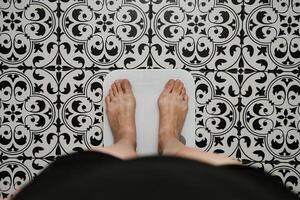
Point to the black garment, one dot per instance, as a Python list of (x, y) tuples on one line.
[(91, 175)]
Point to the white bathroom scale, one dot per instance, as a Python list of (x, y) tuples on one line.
[(147, 86)]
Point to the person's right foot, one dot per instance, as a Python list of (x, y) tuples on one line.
[(173, 106)]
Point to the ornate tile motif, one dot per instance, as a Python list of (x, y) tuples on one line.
[(244, 57)]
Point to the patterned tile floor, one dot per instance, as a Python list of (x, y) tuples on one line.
[(244, 56)]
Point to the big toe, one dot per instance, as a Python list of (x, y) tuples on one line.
[(169, 85), (126, 86)]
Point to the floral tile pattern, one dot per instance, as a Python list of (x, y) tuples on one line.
[(244, 57)]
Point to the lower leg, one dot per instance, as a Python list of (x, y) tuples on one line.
[(122, 149), (172, 146)]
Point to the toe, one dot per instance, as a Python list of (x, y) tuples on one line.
[(118, 85), (169, 85), (181, 87), (111, 94), (114, 89), (126, 86), (177, 86), (185, 98), (182, 92), (107, 99)]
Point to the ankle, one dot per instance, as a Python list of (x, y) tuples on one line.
[(127, 141), (169, 144), (166, 132)]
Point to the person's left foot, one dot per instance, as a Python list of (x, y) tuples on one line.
[(120, 108)]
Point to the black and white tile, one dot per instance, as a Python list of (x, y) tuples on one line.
[(244, 56)]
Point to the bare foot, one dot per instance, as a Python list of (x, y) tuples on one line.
[(120, 104), (173, 106)]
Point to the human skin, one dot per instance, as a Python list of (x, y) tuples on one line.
[(173, 106)]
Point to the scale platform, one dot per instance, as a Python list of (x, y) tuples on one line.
[(147, 86)]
